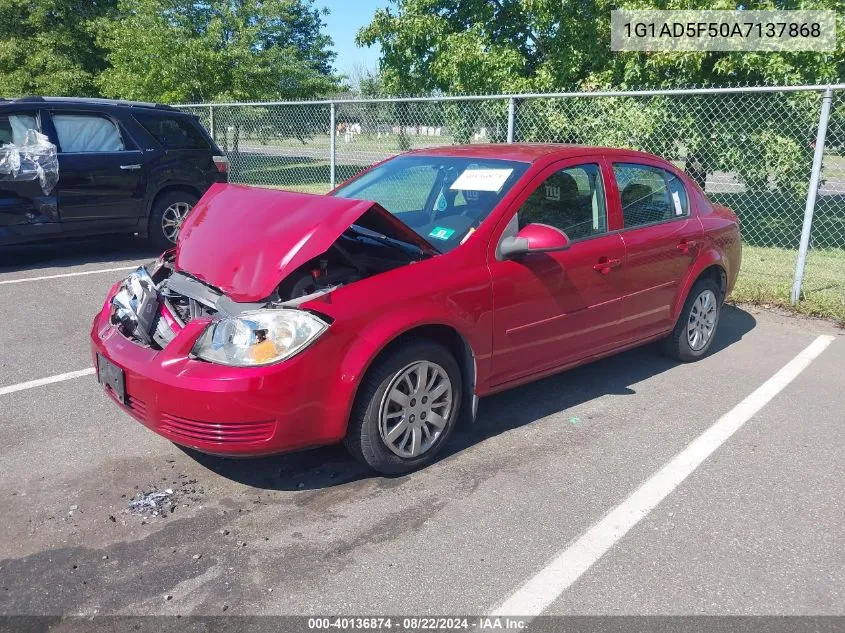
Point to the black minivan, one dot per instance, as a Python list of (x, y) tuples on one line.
[(123, 167)]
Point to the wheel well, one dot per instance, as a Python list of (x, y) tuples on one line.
[(460, 349), (717, 274), (170, 189)]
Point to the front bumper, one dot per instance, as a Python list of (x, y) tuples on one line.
[(223, 410)]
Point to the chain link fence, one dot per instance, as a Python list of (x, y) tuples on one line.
[(752, 149)]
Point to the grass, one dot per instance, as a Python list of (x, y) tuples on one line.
[(766, 279), (360, 142)]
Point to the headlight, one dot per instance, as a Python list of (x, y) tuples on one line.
[(259, 337)]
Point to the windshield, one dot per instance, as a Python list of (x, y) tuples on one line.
[(442, 198)]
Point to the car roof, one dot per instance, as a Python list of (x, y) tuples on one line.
[(525, 152), (77, 101)]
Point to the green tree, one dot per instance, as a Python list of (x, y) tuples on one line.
[(483, 46), (182, 50), (495, 46), (48, 47)]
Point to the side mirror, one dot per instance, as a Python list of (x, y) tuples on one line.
[(534, 238)]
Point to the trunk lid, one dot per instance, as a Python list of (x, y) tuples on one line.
[(246, 240)]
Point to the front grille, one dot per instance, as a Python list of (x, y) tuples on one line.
[(218, 432)]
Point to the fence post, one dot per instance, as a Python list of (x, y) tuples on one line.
[(331, 144), (809, 209), (211, 123), (511, 118)]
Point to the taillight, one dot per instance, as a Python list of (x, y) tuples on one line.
[(222, 164)]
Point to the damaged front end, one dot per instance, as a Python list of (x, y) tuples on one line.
[(246, 262), (152, 306)]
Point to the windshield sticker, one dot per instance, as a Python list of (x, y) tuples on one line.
[(440, 233), (474, 179)]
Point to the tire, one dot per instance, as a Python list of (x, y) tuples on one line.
[(169, 203), (702, 308), (364, 436)]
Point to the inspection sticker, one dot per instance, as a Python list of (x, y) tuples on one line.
[(474, 179), (676, 198), (440, 233)]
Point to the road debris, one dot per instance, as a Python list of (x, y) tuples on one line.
[(155, 502)]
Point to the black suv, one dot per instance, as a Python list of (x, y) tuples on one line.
[(123, 167)]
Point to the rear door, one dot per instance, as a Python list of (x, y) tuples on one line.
[(101, 174), (187, 151), (661, 242), (25, 210)]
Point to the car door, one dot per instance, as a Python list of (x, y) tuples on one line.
[(101, 175), (661, 242), (551, 309), (26, 211)]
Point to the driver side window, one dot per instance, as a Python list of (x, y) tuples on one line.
[(571, 200)]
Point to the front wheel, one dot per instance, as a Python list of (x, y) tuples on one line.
[(406, 408), (168, 213), (697, 324)]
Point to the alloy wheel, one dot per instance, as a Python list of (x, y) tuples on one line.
[(172, 218), (702, 320), (415, 409)]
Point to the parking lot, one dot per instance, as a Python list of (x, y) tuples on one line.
[(537, 507)]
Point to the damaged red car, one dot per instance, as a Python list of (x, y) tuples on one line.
[(378, 314)]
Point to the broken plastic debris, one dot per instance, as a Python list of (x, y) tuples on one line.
[(34, 159), (157, 502)]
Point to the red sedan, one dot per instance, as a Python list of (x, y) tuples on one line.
[(379, 314)]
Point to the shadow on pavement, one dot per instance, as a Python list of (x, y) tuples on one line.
[(330, 466), (65, 253)]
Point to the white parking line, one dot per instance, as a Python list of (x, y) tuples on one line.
[(84, 272), (539, 592), (40, 382)]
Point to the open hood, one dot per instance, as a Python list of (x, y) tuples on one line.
[(246, 240)]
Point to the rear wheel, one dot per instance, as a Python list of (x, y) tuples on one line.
[(406, 408), (168, 213), (696, 327)]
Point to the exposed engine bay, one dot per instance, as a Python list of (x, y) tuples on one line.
[(154, 303)]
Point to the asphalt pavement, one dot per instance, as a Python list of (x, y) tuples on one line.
[(755, 529)]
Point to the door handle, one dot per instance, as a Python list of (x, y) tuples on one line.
[(130, 167), (605, 265), (686, 245)]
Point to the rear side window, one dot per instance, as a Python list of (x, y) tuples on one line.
[(87, 133), (649, 194), (14, 126), (173, 132)]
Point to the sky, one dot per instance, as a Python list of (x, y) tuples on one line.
[(346, 17)]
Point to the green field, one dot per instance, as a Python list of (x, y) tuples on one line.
[(766, 278)]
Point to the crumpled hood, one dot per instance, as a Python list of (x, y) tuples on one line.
[(246, 240)]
